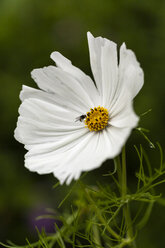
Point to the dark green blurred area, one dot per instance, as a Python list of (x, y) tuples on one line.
[(29, 31)]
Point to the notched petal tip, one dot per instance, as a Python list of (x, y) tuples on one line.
[(17, 135), (34, 72), (59, 59), (54, 54), (24, 87), (89, 35), (123, 47)]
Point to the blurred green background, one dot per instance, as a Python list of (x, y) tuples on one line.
[(29, 31)]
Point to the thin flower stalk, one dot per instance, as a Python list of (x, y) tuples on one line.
[(126, 209)]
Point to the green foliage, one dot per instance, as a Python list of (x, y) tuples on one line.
[(29, 31), (103, 215)]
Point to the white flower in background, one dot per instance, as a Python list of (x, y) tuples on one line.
[(73, 124)]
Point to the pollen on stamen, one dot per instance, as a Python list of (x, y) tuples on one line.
[(97, 119)]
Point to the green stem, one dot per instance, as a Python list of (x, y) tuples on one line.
[(123, 194), (124, 175), (96, 236), (101, 218), (119, 173)]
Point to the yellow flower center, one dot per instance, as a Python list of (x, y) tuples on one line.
[(97, 119)]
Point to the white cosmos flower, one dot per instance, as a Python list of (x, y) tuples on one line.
[(53, 122)]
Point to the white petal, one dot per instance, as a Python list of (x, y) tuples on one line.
[(54, 153), (73, 157), (102, 145), (122, 113), (68, 161), (85, 81), (95, 45), (64, 87), (86, 156), (83, 157), (66, 109), (103, 59), (40, 122), (109, 72), (28, 92), (126, 118), (118, 137), (130, 72)]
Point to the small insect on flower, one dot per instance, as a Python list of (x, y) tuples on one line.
[(47, 127), (80, 118)]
